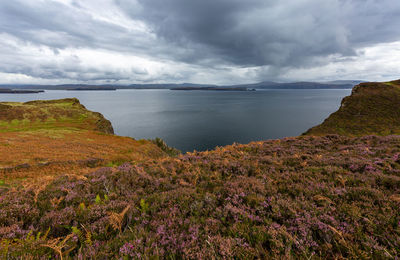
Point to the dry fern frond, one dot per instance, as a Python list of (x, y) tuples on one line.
[(77, 177), (56, 201), (342, 180), (39, 186), (88, 236), (340, 234), (395, 197), (58, 245), (322, 198), (116, 219)]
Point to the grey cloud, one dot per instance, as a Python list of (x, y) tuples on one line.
[(268, 32), (69, 68), (59, 26)]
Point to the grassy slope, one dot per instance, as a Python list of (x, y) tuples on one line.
[(326, 197), (46, 138), (372, 108), (65, 114)]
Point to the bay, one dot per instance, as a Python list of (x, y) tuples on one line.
[(202, 120)]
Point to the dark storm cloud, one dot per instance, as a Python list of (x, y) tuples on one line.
[(207, 36), (269, 32)]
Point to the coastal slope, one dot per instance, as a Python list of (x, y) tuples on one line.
[(42, 138), (372, 108), (51, 114)]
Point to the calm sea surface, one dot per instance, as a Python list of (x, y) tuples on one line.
[(201, 120)]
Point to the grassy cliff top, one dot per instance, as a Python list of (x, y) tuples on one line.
[(46, 138), (66, 114), (372, 108)]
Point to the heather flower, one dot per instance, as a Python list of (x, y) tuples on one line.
[(396, 157), (369, 168), (131, 249), (12, 232), (126, 167)]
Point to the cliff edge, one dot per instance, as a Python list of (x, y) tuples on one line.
[(371, 109), (51, 114), (44, 137)]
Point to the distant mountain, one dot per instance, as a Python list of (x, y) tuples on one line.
[(212, 89), (18, 91), (339, 84), (103, 86), (353, 82), (297, 85), (64, 87), (165, 86)]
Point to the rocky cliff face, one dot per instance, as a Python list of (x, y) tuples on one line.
[(51, 114), (372, 108)]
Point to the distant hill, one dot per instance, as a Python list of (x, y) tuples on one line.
[(347, 84), (104, 86), (372, 108), (18, 91), (92, 88), (212, 89), (165, 86), (297, 85), (59, 87), (352, 82)]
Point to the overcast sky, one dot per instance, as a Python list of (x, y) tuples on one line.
[(202, 41)]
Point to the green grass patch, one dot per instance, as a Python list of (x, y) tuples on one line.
[(32, 115)]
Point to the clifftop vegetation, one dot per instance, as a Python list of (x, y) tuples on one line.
[(51, 115), (47, 138), (372, 108)]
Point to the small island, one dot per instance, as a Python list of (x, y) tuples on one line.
[(92, 88), (19, 91), (213, 88)]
